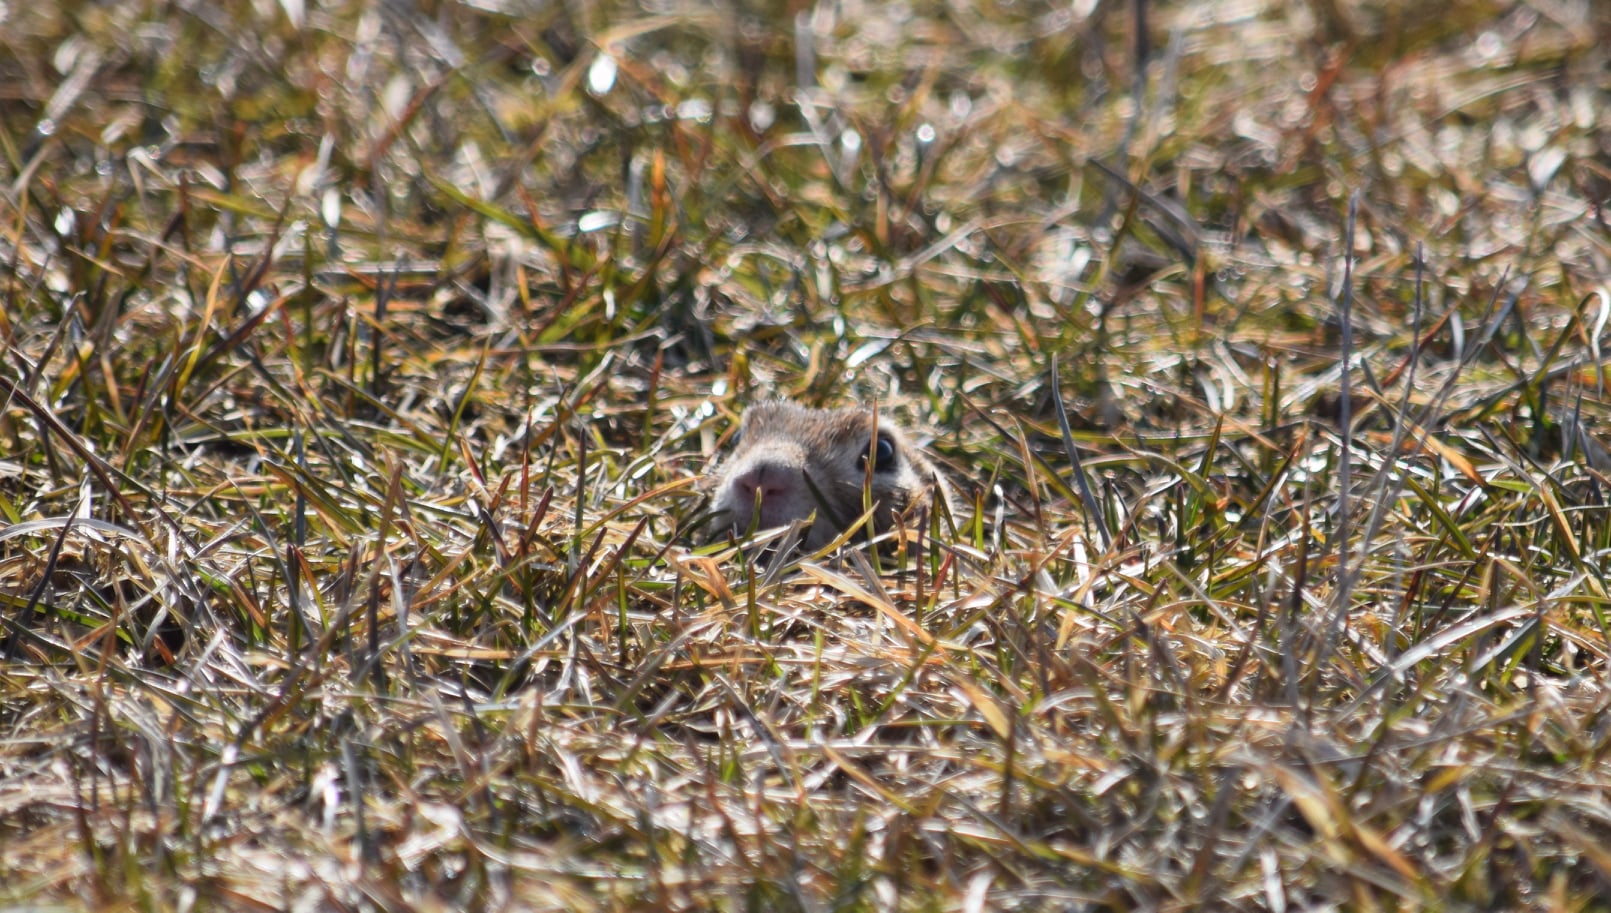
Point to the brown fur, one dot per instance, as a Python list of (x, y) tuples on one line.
[(781, 445)]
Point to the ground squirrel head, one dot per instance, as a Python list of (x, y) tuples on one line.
[(789, 462)]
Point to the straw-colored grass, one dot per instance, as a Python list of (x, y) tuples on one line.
[(361, 360)]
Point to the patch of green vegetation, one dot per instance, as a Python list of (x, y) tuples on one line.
[(361, 362)]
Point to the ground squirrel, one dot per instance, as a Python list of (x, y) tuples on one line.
[(789, 462)]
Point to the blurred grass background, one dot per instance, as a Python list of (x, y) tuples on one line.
[(360, 362)]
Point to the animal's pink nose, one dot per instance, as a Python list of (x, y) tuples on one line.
[(770, 480)]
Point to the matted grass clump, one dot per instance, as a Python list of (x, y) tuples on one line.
[(360, 363)]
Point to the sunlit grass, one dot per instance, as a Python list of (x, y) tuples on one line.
[(361, 364)]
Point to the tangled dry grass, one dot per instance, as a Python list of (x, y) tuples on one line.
[(361, 360)]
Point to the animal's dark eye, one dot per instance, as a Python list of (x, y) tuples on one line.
[(883, 451)]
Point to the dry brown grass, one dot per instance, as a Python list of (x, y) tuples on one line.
[(358, 363)]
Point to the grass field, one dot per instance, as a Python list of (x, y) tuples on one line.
[(361, 362)]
